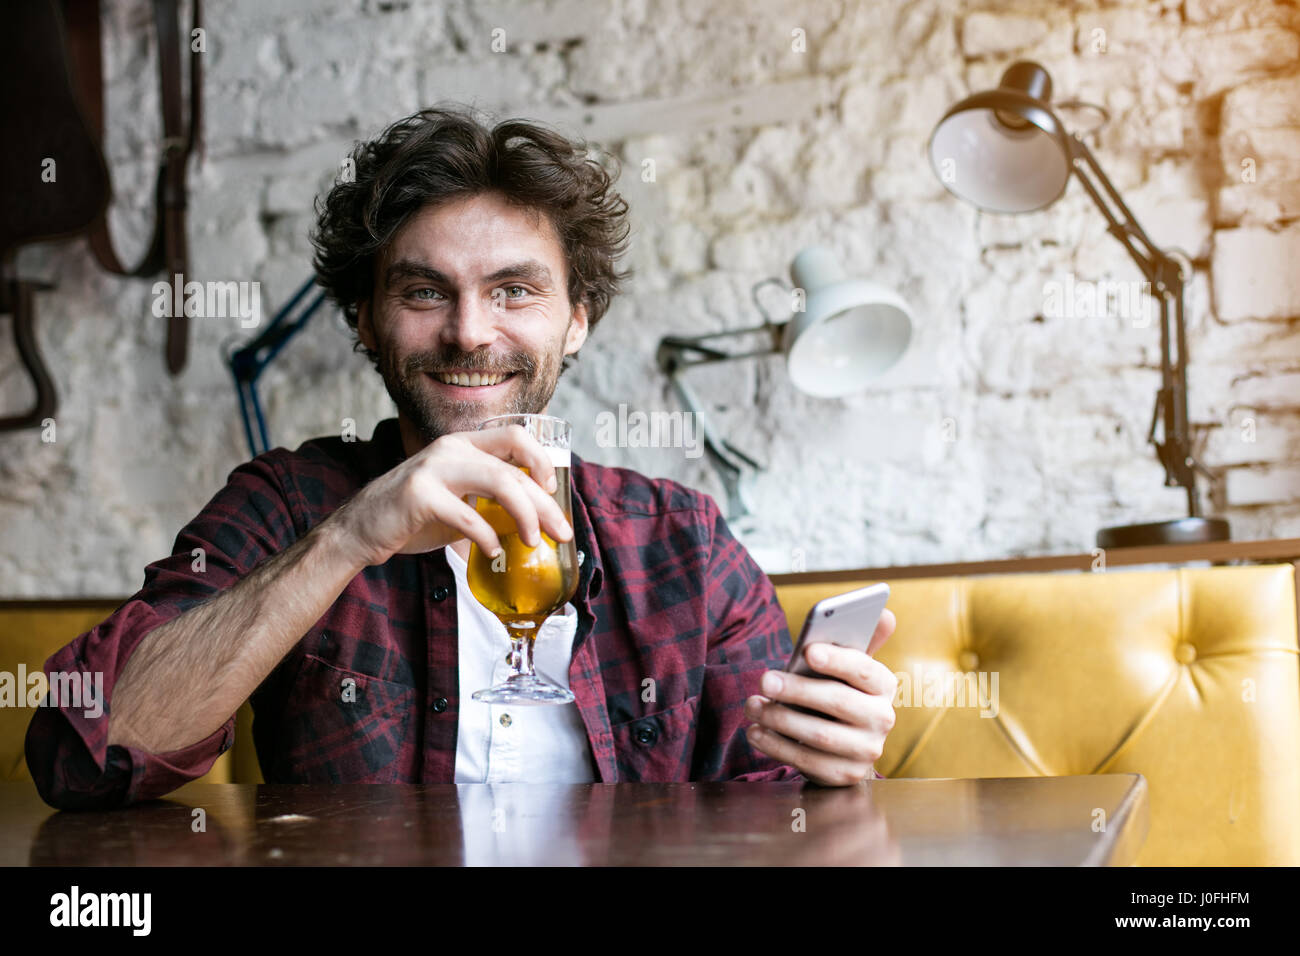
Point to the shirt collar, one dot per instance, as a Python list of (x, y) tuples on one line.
[(387, 452)]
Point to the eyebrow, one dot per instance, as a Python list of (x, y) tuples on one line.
[(528, 269)]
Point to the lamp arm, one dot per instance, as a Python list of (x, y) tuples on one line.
[(247, 362), (1158, 268), (1168, 286), (727, 460), (677, 352)]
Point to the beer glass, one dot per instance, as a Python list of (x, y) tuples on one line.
[(523, 586)]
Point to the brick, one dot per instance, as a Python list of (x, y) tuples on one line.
[(1262, 103), (1255, 273), (1124, 31), (1169, 208), (1223, 60), (1244, 344), (1248, 437), (986, 33), (543, 21), (1262, 486), (1268, 154), (1266, 390), (1258, 203), (917, 36), (1238, 14)]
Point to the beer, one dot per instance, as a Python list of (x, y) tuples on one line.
[(523, 586)]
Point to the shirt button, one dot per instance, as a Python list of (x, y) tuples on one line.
[(440, 704), (505, 720), (646, 734), (440, 593)]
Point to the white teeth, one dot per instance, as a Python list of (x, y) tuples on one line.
[(471, 381)]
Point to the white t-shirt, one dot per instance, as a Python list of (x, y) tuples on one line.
[(513, 743)]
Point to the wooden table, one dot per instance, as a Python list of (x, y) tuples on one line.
[(913, 822)]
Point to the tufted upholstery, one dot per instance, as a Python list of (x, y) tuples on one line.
[(1189, 677), (30, 631)]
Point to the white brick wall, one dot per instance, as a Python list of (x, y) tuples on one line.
[(759, 150), (1255, 272)]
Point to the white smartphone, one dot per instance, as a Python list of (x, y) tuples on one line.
[(848, 620)]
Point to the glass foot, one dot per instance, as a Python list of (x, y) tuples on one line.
[(524, 690)]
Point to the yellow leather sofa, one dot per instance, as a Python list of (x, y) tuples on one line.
[(30, 631), (1188, 676)]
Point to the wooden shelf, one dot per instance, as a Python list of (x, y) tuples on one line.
[(1282, 550)]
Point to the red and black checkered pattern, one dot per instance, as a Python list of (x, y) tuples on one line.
[(676, 624)]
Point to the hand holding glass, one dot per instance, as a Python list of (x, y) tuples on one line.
[(523, 586)]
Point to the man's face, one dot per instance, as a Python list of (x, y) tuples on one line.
[(471, 291)]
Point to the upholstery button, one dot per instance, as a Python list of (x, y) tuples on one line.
[(440, 704), (968, 661), (1185, 653), (440, 593), (505, 720), (646, 734)]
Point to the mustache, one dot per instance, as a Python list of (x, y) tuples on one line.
[(440, 360)]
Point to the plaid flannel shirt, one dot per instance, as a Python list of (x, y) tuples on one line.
[(666, 595)]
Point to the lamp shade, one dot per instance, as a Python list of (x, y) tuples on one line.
[(1004, 150), (850, 330)]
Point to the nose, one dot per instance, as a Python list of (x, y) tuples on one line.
[(471, 324)]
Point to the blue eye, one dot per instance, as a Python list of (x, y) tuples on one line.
[(417, 294)]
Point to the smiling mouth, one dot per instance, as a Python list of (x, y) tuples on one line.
[(471, 379)]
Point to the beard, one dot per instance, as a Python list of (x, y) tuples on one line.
[(408, 383)]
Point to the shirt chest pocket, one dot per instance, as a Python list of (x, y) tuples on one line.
[(657, 748), (345, 727)]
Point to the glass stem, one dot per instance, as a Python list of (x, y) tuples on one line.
[(521, 651)]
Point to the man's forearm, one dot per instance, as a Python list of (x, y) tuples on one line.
[(186, 677)]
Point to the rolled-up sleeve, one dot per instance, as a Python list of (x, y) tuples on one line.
[(67, 749)]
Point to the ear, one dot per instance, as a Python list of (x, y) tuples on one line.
[(365, 327), (576, 334)]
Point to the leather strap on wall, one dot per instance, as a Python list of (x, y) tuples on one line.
[(168, 249)]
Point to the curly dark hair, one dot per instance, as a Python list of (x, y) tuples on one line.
[(445, 153)]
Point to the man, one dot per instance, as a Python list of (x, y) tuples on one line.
[(328, 584)]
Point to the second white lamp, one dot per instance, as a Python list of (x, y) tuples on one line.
[(841, 333), (851, 330)]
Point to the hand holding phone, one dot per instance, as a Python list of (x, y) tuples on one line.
[(848, 620)]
